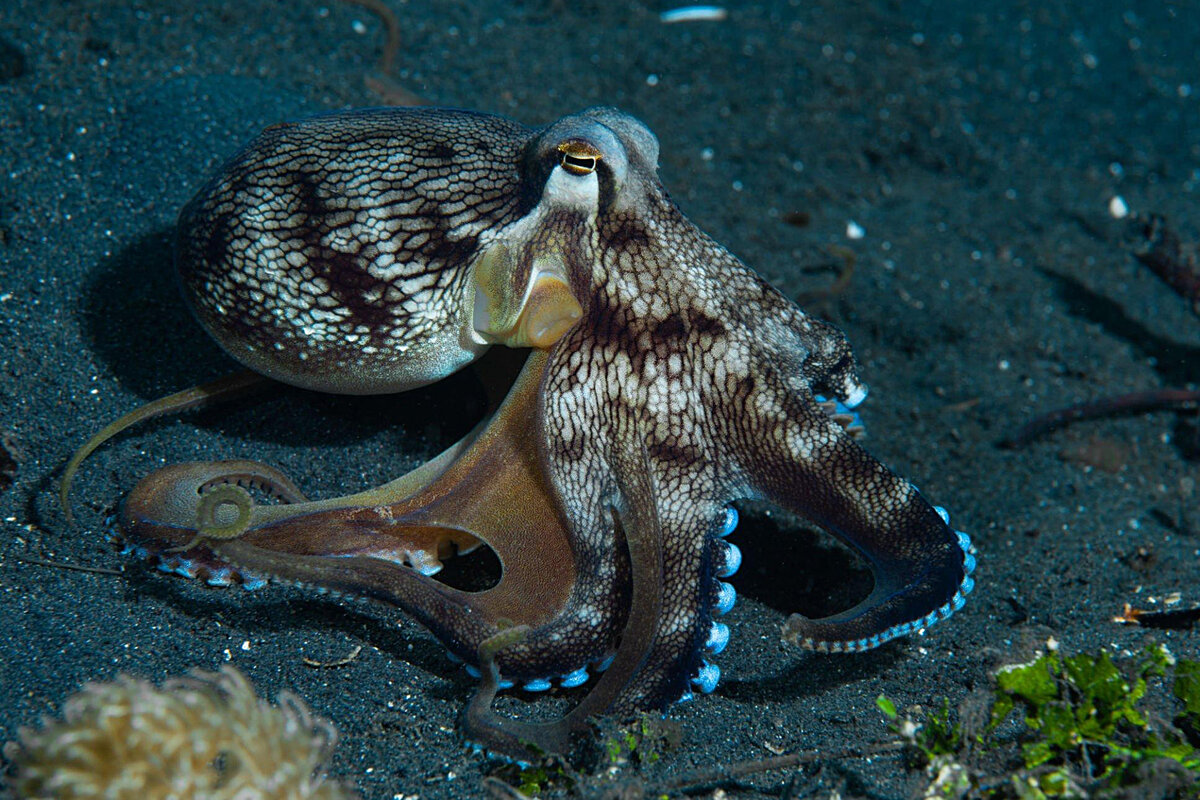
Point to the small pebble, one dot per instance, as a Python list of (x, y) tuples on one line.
[(694, 14)]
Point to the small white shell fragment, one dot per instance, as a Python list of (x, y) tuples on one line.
[(694, 14), (1118, 207), (854, 230)]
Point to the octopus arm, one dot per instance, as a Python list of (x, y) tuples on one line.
[(630, 510), (807, 463)]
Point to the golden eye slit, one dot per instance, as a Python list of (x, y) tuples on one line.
[(578, 157)]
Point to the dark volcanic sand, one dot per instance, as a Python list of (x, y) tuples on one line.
[(977, 145)]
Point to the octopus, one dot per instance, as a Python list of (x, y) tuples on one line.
[(383, 249)]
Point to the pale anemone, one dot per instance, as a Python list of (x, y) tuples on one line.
[(208, 735)]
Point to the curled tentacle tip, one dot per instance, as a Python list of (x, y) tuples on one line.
[(212, 513)]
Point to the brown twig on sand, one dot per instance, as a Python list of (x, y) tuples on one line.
[(1177, 264), (42, 562), (1133, 403), (383, 84)]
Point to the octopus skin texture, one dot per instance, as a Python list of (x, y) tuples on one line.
[(383, 249)]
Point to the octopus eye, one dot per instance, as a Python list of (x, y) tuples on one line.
[(578, 156)]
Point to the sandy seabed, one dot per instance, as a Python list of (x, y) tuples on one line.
[(967, 154)]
